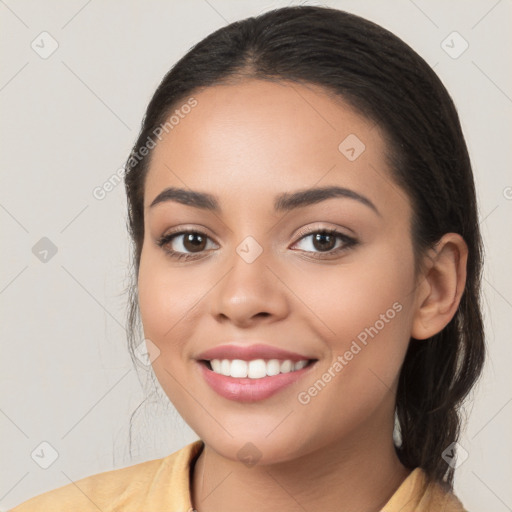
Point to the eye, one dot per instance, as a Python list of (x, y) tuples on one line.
[(327, 241), (185, 244), (191, 244)]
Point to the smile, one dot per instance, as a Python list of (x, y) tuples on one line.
[(254, 380), (256, 368)]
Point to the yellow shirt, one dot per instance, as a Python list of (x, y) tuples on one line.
[(164, 485)]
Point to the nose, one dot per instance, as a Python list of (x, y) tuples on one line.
[(250, 293)]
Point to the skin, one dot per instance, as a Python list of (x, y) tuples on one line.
[(245, 143)]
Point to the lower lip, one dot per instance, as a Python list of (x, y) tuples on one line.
[(251, 390)]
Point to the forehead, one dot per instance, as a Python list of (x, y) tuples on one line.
[(258, 138), (276, 117)]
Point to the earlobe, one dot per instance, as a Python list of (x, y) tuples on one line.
[(441, 287)]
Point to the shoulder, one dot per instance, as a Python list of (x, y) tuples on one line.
[(418, 494), (127, 487), (440, 499)]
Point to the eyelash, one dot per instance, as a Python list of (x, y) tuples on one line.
[(349, 242)]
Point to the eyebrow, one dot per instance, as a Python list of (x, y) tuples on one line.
[(283, 202)]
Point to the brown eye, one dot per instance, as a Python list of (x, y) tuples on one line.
[(324, 241), (194, 242), (184, 244)]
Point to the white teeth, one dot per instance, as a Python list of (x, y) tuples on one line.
[(238, 368), (225, 367), (286, 366), (255, 369), (300, 364), (216, 365), (273, 367)]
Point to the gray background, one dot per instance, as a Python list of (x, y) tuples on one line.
[(68, 123)]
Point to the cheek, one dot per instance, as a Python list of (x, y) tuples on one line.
[(368, 313), (166, 303), (366, 310), (155, 302), (166, 297), (346, 299)]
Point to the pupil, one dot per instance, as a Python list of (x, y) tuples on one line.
[(320, 237), (189, 239)]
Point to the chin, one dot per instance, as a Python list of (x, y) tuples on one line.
[(259, 448)]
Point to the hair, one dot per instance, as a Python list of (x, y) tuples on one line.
[(387, 82)]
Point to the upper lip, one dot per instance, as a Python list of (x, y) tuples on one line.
[(248, 353)]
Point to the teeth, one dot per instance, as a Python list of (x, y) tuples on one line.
[(225, 367), (255, 369), (238, 368), (299, 365), (216, 365), (287, 366)]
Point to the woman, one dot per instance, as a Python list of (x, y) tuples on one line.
[(307, 270)]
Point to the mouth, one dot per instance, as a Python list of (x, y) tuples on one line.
[(253, 380), (255, 368)]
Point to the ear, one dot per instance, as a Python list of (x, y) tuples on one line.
[(441, 285)]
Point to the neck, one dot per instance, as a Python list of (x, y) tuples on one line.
[(360, 473)]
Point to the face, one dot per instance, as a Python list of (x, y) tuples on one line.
[(328, 276)]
